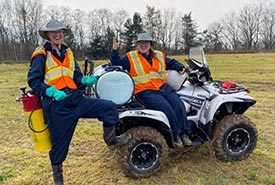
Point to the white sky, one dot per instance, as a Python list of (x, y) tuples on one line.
[(204, 12)]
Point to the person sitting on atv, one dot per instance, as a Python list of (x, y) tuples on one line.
[(147, 66)]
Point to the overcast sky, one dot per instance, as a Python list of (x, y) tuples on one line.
[(204, 12)]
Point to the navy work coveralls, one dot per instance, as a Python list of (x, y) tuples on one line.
[(165, 99), (63, 116)]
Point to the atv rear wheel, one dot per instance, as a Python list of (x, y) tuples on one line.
[(144, 154), (235, 137)]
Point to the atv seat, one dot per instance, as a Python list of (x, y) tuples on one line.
[(132, 104)]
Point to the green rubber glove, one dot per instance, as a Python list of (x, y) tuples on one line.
[(50, 91), (89, 80), (56, 94), (59, 95)]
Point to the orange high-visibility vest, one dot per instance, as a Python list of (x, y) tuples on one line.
[(58, 74), (146, 76)]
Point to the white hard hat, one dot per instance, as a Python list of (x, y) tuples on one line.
[(176, 79)]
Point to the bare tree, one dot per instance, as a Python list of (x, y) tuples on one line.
[(249, 25), (118, 20), (5, 31), (250, 28), (267, 30), (213, 37), (78, 28), (61, 13), (231, 30), (25, 16), (170, 23), (98, 21), (35, 19)]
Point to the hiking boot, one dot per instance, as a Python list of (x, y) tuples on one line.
[(186, 140), (119, 141), (178, 143)]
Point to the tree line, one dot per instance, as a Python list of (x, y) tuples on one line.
[(249, 29)]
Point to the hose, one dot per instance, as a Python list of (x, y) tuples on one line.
[(30, 121)]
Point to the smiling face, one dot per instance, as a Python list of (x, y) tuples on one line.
[(56, 37), (144, 47)]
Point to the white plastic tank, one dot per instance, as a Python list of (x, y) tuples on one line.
[(116, 86)]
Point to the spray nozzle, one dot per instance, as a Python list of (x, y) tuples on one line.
[(23, 89)]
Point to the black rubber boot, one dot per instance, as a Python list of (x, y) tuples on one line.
[(57, 174), (110, 138)]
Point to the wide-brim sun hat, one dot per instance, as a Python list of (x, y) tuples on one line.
[(52, 25), (144, 37)]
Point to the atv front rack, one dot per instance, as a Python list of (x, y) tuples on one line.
[(228, 87)]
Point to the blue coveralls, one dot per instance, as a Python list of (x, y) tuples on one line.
[(165, 99), (63, 116)]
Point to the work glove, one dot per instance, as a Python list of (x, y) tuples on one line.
[(89, 80), (56, 94)]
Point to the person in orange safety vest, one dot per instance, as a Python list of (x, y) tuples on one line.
[(147, 68), (55, 75)]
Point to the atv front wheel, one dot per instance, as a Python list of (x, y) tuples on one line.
[(144, 154), (235, 137)]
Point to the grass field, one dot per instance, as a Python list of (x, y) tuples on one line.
[(90, 162)]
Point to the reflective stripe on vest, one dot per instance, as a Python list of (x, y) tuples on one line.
[(56, 70), (59, 74), (40, 50), (144, 75)]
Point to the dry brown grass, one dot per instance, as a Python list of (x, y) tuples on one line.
[(90, 162)]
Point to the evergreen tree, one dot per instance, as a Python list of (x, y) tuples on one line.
[(189, 32), (132, 29), (108, 42), (152, 22), (95, 49), (101, 46)]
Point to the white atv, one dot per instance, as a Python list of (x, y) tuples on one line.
[(214, 109)]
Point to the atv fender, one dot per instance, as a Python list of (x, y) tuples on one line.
[(227, 99), (146, 113)]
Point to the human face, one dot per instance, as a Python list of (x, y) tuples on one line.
[(56, 37), (144, 47)]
